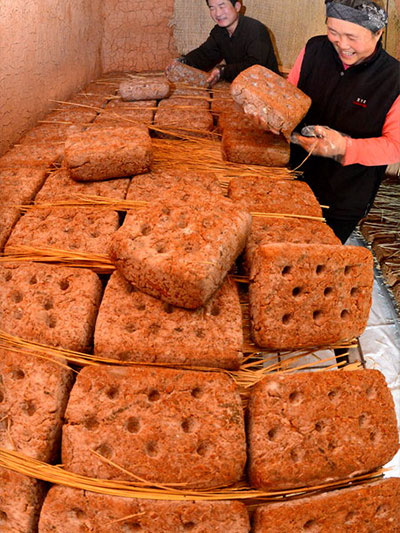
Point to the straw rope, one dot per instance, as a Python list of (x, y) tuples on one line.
[(98, 263), (205, 155), (33, 468), (247, 376)]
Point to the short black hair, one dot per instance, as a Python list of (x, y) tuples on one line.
[(233, 2)]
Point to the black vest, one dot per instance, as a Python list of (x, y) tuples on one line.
[(353, 101)]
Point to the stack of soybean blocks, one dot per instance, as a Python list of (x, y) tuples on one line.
[(36, 160), (171, 301), (247, 137), (186, 113)]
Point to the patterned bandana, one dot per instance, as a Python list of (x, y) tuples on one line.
[(361, 12)]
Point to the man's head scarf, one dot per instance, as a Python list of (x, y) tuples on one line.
[(362, 12)]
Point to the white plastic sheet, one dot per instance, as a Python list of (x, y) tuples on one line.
[(380, 343)]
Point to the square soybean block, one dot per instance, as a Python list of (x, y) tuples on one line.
[(308, 295), (371, 506), (163, 425), (21, 499), (33, 397), (98, 154), (66, 509), (274, 102), (311, 428), (180, 251), (49, 304), (134, 326), (270, 195)]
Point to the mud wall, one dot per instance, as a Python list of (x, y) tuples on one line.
[(138, 35), (48, 48)]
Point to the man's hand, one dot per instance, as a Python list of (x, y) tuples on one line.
[(214, 76), (322, 141)]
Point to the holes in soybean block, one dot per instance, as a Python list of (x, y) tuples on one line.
[(51, 321), (160, 248), (328, 291), (131, 526), (141, 307), (151, 448), (363, 420), (77, 513), (133, 424), (188, 526), (104, 450), (1, 396), (168, 308), (197, 392), (347, 270), (3, 517), (145, 229), (28, 407), (272, 433), (286, 270), (355, 291), (297, 291), (154, 328), (17, 374), (350, 517), (7, 276), (333, 395), (200, 333), (286, 318), (371, 393), (64, 284), (295, 397), (344, 315), (319, 426), (317, 316), (48, 304), (130, 328), (154, 396), (130, 288), (202, 449), (373, 436), (320, 269), (310, 524), (17, 297), (112, 392), (90, 423), (33, 280), (188, 425), (215, 310)]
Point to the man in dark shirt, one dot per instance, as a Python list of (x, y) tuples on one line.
[(240, 41)]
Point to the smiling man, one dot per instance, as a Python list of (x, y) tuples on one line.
[(355, 113), (238, 40)]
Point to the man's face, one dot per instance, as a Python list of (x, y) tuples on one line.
[(352, 42), (224, 13)]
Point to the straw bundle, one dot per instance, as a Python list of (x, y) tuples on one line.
[(141, 489), (199, 155), (253, 369), (98, 263)]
